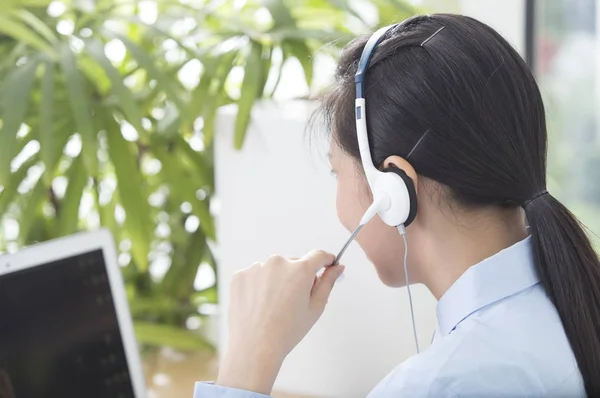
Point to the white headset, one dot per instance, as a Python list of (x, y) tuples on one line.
[(394, 196)]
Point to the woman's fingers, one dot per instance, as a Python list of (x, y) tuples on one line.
[(324, 284), (317, 259)]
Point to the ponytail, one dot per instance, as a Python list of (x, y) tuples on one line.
[(570, 272)]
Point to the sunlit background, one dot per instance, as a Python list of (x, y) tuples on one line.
[(165, 121)]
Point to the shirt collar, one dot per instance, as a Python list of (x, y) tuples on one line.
[(502, 275)]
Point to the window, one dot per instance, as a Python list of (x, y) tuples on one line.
[(565, 57)]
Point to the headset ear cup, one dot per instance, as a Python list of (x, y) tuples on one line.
[(412, 192)]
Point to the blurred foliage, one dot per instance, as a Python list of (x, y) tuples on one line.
[(107, 119)]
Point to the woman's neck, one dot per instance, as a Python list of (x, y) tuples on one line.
[(455, 247)]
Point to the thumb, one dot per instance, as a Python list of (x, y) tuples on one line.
[(324, 285)]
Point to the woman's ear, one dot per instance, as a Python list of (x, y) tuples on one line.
[(403, 164)]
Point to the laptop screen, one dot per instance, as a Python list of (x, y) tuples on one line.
[(59, 334)]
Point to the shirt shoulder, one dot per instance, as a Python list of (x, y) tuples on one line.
[(452, 371), (515, 347)]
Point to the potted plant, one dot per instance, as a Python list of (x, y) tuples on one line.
[(107, 119)]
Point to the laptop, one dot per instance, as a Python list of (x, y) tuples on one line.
[(65, 326)]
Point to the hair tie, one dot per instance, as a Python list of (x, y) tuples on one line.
[(537, 195)]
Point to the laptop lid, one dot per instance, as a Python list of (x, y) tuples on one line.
[(65, 326)]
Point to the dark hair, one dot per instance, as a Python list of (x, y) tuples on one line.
[(486, 143)]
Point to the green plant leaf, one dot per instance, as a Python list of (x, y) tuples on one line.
[(209, 295), (59, 136), (210, 116), (181, 182), (214, 98), (191, 52), (15, 94), (10, 189), (124, 95), (31, 210), (344, 5), (80, 106), (68, 214), (300, 50), (251, 87), (392, 11), (131, 190), (107, 211), (323, 36), (166, 335), (145, 61), (46, 138), (28, 3), (21, 33), (169, 125), (267, 63), (279, 73), (179, 279), (200, 95), (36, 24), (280, 12), (96, 76), (203, 170)]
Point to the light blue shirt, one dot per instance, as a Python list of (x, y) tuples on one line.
[(498, 335)]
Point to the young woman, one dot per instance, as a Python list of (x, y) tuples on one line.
[(459, 112)]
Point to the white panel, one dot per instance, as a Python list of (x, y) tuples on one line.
[(505, 16)]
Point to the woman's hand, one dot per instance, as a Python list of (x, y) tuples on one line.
[(273, 305)]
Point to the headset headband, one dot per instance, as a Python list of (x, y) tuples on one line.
[(361, 119), (367, 53)]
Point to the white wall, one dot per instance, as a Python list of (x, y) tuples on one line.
[(277, 196), (505, 16)]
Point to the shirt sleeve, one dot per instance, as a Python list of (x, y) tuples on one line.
[(210, 390)]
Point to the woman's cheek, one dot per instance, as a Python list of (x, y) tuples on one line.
[(342, 207), (351, 203)]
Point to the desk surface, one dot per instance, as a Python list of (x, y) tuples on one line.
[(172, 375)]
